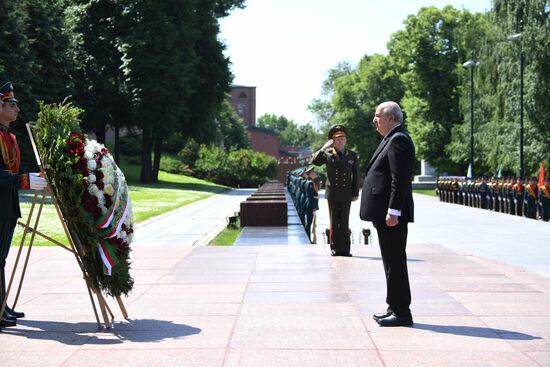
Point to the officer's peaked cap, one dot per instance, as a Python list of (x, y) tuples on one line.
[(337, 131)]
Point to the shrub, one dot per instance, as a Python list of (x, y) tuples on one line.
[(172, 164), (239, 168)]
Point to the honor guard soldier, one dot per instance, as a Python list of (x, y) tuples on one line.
[(312, 193), (483, 192), (544, 199), (11, 181), (531, 196), (496, 195), (519, 188), (510, 196), (342, 186)]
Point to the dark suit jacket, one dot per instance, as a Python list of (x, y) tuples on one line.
[(388, 179), (343, 174)]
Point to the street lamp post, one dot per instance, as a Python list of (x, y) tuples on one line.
[(513, 38), (470, 65)]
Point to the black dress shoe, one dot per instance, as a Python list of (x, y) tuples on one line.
[(8, 316), (378, 316), (346, 255), (394, 320), (7, 323), (18, 315)]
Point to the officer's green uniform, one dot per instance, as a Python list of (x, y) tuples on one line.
[(342, 184)]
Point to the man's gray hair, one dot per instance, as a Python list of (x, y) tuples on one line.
[(392, 108)]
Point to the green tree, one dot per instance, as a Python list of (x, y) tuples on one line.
[(174, 71), (427, 58), (356, 96), (291, 133), (232, 133), (97, 27)]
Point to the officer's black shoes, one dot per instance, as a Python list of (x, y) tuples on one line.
[(334, 253), (378, 316), (7, 323), (394, 320), (18, 315)]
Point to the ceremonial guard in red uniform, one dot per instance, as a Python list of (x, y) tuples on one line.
[(11, 181)]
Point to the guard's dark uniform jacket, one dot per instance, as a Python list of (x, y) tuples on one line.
[(10, 180), (342, 184)]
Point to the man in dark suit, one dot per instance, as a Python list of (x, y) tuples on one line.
[(342, 186), (387, 201)]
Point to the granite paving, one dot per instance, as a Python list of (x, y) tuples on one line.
[(289, 305)]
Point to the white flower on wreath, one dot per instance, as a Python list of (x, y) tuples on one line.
[(92, 189), (92, 178), (109, 189), (108, 177), (92, 165)]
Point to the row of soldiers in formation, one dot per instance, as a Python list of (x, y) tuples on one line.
[(511, 195), (305, 194)]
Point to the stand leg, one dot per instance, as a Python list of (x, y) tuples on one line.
[(5, 300), (33, 234), (122, 307)]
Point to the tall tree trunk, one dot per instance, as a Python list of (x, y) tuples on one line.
[(117, 145), (156, 160), (100, 133), (145, 176)]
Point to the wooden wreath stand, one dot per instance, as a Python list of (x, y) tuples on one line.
[(74, 246)]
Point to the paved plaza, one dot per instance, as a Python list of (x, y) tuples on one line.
[(480, 284)]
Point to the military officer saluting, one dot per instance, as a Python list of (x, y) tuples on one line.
[(342, 186), (11, 180)]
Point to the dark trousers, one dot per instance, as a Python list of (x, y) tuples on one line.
[(309, 221), (339, 226), (7, 226), (393, 242)]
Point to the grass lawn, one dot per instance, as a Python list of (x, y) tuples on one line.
[(430, 192), (171, 192), (228, 236)]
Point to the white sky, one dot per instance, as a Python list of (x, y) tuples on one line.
[(285, 47)]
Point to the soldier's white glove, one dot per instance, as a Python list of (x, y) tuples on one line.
[(36, 182), (328, 144)]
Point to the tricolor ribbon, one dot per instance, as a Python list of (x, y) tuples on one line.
[(108, 256)]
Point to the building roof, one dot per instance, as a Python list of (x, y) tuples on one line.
[(262, 129), (242, 86)]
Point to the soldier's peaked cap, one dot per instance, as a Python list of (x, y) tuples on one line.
[(337, 131), (6, 93)]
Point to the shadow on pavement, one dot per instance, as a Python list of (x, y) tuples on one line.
[(81, 333), (478, 332), (379, 258)]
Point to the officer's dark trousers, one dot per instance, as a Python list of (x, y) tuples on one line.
[(7, 226), (393, 242), (339, 226)]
